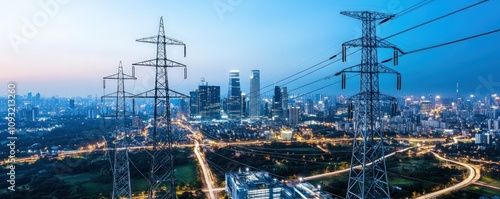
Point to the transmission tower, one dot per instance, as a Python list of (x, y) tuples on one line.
[(121, 172), (368, 150), (161, 172)]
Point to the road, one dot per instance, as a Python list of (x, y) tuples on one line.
[(203, 165), (484, 161), (346, 170), (484, 184), (199, 136), (474, 175), (196, 137)]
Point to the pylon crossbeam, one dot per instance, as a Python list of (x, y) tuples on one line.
[(153, 62), (166, 40), (151, 94)]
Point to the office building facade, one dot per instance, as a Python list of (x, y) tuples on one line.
[(255, 94), (234, 96)]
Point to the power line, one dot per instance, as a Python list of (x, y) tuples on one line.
[(323, 78), (412, 8), (403, 31), (298, 73), (452, 42), (321, 88), (304, 61), (277, 156), (387, 60), (435, 19), (249, 166), (406, 11), (444, 44)]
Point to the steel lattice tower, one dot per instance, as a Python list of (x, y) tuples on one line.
[(368, 150), (161, 172), (121, 171)]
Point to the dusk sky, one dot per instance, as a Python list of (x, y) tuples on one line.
[(67, 48)]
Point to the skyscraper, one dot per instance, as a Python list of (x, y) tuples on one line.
[(209, 101), (255, 94), (244, 108), (277, 108), (284, 99), (193, 103), (294, 115), (205, 101), (234, 96)]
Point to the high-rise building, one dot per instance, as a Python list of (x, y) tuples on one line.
[(193, 103), (284, 98), (244, 108), (293, 118), (72, 103), (205, 101), (277, 108), (183, 108), (234, 96), (309, 106), (480, 138), (425, 107), (255, 94), (209, 101), (224, 105)]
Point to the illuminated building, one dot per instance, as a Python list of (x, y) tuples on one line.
[(257, 185), (294, 116), (234, 96), (255, 94), (260, 185)]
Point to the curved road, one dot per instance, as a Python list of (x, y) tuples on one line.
[(346, 170), (474, 175)]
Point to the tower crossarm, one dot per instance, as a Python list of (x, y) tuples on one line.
[(151, 94), (366, 15), (154, 40), (153, 63), (384, 69), (366, 95), (380, 43)]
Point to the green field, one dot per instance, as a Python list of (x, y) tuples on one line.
[(138, 185), (482, 190), (85, 180), (186, 173), (491, 181)]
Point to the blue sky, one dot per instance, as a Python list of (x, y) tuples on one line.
[(75, 43)]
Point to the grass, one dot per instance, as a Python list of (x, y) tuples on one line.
[(186, 173), (139, 184), (98, 188), (482, 190), (398, 181), (76, 179), (85, 179), (490, 181)]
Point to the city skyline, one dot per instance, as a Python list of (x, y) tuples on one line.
[(69, 50)]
